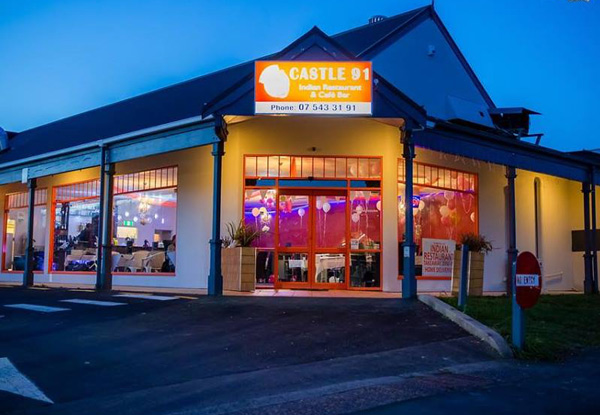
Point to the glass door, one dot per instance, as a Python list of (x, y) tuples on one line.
[(330, 246), (294, 240), (312, 235)]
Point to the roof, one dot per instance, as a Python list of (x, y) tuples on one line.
[(180, 101), (359, 39)]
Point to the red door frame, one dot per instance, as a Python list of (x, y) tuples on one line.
[(311, 250)]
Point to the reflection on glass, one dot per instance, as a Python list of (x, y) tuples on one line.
[(330, 222), (144, 231), (264, 267), (330, 268), (16, 238), (76, 235), (293, 267), (293, 220), (365, 269), (259, 212), (365, 219)]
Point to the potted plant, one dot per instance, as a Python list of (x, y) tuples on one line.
[(478, 247), (239, 257)]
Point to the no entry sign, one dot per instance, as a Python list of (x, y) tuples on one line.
[(529, 280)]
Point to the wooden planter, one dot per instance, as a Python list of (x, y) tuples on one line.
[(475, 273), (239, 269)]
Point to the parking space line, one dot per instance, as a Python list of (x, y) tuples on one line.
[(13, 381), (36, 307), (92, 302), (147, 297)]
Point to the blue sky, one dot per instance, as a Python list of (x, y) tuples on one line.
[(63, 57)]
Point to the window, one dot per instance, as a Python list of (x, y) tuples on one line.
[(144, 223), (444, 205), (15, 230)]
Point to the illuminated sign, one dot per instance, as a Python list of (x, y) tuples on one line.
[(326, 88)]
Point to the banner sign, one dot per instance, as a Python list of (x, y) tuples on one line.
[(438, 257), (325, 88)]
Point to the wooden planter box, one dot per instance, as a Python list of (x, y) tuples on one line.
[(475, 273), (239, 269)]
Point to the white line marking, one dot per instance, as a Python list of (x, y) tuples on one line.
[(93, 302), (13, 381), (35, 307), (148, 297)]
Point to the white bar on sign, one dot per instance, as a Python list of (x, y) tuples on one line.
[(528, 280), (308, 108)]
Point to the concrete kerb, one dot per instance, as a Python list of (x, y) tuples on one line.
[(481, 331)]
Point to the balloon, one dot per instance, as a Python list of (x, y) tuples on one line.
[(262, 210), (319, 204), (448, 195), (359, 209), (444, 211), (378, 205), (326, 207), (421, 205), (451, 203), (355, 217), (255, 212), (301, 212), (473, 217), (266, 228), (415, 211)]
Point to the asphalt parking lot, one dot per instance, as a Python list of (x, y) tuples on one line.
[(181, 354)]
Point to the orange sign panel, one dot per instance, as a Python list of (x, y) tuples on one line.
[(330, 88)]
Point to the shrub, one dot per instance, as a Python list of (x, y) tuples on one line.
[(240, 234), (476, 243)]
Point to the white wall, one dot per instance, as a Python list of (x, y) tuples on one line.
[(427, 80)]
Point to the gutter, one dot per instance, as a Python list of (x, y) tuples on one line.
[(108, 141)]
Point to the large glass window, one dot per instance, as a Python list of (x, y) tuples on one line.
[(15, 230), (144, 224), (444, 204)]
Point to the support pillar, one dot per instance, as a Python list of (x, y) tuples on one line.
[(29, 265), (594, 236), (105, 225), (215, 277), (518, 320), (588, 282), (409, 281)]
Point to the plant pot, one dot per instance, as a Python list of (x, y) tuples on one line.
[(474, 274), (239, 269)]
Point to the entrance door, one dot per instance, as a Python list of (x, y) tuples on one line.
[(312, 249)]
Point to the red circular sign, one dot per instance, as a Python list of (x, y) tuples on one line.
[(529, 280)]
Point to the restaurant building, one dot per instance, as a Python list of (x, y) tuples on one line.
[(351, 154)]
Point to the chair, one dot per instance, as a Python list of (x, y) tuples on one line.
[(123, 261), (75, 255), (154, 261), (115, 260), (135, 264)]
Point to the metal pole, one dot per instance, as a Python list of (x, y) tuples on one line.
[(100, 219), (594, 235), (518, 321), (215, 277), (409, 281), (29, 265), (587, 256), (105, 280), (464, 277)]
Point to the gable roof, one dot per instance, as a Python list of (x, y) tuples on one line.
[(180, 101), (315, 45)]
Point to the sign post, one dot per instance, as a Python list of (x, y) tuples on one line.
[(313, 88), (528, 287)]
